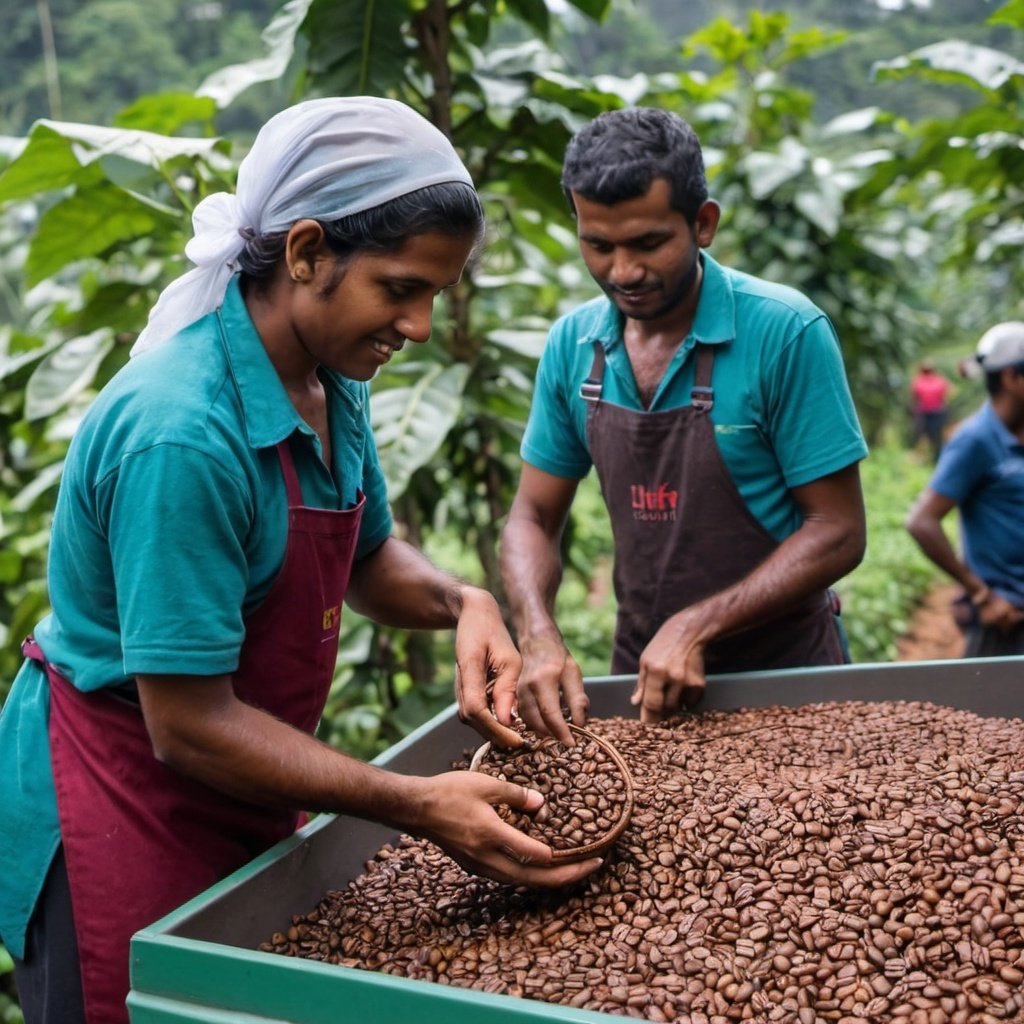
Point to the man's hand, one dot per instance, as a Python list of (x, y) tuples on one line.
[(550, 675), (487, 667), (457, 813), (998, 613), (671, 674)]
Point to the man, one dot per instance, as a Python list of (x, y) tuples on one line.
[(716, 411), (981, 473)]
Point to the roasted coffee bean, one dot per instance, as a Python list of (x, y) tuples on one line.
[(585, 794), (835, 862)]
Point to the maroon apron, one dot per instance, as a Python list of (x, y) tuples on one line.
[(140, 839), (682, 532)]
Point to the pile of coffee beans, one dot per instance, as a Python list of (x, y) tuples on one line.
[(585, 792), (835, 862)]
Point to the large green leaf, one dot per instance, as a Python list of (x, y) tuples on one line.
[(224, 85), (411, 422), (47, 162), (64, 373), (87, 223), (1011, 13), (357, 47), (954, 60), (534, 13), (524, 342), (19, 350), (166, 112), (94, 142), (767, 171)]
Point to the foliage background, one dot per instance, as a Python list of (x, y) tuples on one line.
[(881, 187)]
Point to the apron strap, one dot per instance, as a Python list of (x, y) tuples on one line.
[(291, 477), (703, 394), (590, 389)]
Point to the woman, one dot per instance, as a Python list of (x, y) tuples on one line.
[(220, 500)]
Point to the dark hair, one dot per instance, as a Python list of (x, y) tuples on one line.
[(994, 378), (618, 154), (451, 207)]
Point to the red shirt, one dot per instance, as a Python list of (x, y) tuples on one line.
[(929, 389)]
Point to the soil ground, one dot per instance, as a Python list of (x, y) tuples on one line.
[(932, 634)]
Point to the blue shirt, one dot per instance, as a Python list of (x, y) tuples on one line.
[(170, 527), (783, 414), (981, 469)]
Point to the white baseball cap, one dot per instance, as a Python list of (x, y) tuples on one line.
[(1001, 346)]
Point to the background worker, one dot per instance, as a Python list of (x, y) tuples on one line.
[(981, 473), (929, 395), (715, 409), (220, 500)]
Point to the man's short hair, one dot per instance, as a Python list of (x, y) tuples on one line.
[(620, 153)]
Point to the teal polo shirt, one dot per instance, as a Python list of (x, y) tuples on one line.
[(783, 415), (170, 527)]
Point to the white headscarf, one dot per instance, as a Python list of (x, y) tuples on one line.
[(323, 159)]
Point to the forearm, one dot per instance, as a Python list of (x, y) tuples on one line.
[(531, 572), (203, 731), (808, 561), (932, 540), (399, 586)]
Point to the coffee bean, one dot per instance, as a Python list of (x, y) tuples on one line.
[(832, 862)]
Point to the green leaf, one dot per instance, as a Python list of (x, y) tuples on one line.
[(410, 423), (48, 477), (10, 566), (526, 343), (357, 47), (767, 171), (47, 162), (822, 208), (596, 9), (119, 305), (226, 84), (94, 142), (64, 373), (1011, 13), (166, 112), (19, 350), (533, 13), (87, 223), (955, 61)]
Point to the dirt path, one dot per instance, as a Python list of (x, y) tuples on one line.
[(932, 634)]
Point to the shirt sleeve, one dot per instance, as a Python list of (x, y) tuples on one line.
[(813, 424), (961, 468), (555, 436), (178, 522)]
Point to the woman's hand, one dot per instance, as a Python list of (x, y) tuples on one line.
[(456, 811)]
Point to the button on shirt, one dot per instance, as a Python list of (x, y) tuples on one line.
[(170, 527)]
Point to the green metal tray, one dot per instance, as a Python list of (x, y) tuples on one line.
[(200, 962)]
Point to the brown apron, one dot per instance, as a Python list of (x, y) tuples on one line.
[(140, 839), (682, 532)]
